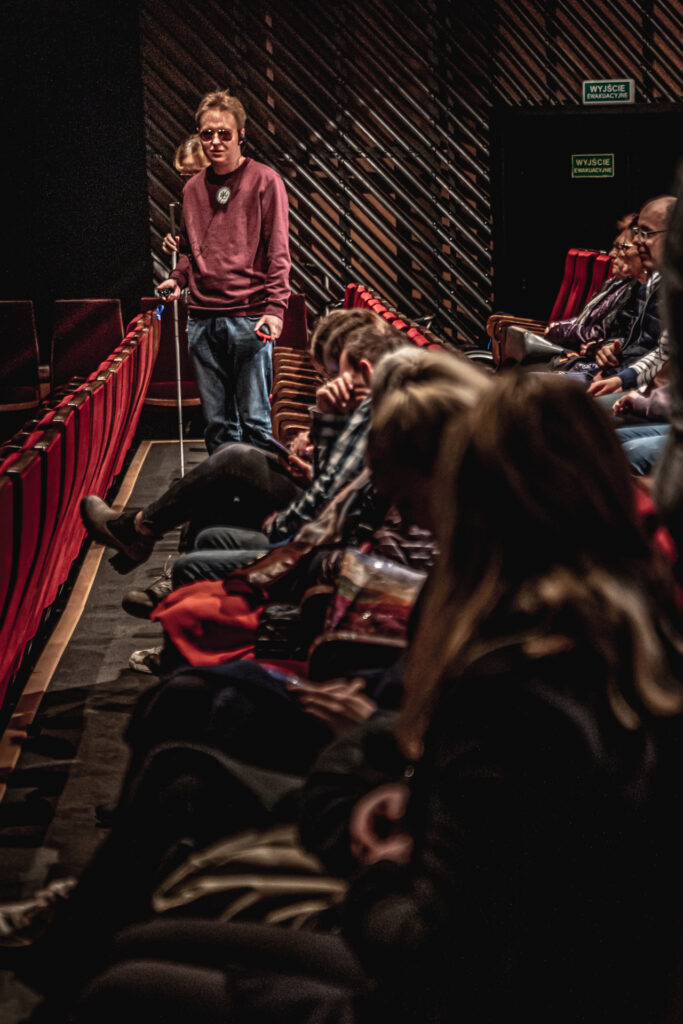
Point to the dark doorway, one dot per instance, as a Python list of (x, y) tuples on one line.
[(540, 211)]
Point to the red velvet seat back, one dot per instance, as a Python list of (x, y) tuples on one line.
[(25, 473), (41, 578), (85, 331), (349, 295), (557, 312), (163, 383), (578, 292), (601, 269), (18, 355), (295, 324)]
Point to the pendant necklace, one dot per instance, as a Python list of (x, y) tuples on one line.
[(222, 196)]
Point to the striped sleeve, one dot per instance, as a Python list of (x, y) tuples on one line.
[(647, 368)]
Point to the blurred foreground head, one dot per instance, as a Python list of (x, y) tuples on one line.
[(416, 394), (539, 536)]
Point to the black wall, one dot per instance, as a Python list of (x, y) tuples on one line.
[(73, 178)]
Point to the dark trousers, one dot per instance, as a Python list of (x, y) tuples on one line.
[(238, 485), (183, 798), (213, 973)]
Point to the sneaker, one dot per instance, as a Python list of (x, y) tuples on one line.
[(147, 660), (116, 531), (25, 921), (141, 602)]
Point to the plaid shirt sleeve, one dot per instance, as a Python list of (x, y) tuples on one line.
[(346, 460)]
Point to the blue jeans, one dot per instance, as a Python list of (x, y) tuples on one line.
[(217, 552), (643, 445), (234, 371)]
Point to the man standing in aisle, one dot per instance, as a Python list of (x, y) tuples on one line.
[(234, 258)]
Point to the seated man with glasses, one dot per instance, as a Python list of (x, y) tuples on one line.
[(234, 258)]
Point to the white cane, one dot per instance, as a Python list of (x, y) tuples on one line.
[(176, 328)]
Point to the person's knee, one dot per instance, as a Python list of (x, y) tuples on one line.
[(230, 452), (184, 570), (213, 538)]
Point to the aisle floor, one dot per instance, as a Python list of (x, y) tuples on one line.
[(75, 755)]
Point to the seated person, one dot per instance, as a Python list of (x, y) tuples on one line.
[(609, 312)]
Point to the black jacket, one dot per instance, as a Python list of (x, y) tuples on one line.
[(545, 879)]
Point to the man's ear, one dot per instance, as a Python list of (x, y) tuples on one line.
[(366, 368)]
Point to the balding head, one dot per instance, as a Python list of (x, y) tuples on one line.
[(658, 208), (653, 219)]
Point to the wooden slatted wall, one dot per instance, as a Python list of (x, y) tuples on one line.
[(377, 116)]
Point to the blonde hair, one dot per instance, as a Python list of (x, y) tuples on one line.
[(189, 149), (415, 392), (222, 100)]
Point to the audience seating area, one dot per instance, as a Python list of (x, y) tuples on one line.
[(75, 444), (295, 382), (585, 271), (77, 439), (357, 295)]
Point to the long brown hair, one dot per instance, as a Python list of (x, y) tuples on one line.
[(536, 516)]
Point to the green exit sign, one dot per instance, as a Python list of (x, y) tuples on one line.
[(609, 90), (592, 165)]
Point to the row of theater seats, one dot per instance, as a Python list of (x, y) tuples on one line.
[(75, 445), (356, 295), (84, 331), (585, 272), (295, 382)]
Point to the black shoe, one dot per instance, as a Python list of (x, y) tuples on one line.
[(116, 531), (141, 602)]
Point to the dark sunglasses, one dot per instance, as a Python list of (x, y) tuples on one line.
[(207, 134)]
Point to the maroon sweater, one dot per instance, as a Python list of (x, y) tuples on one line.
[(235, 258)]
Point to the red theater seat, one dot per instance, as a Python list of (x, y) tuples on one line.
[(578, 293), (162, 388), (41, 577), (560, 303), (85, 331), (349, 295), (295, 324), (19, 383), (24, 470), (7, 520), (601, 271)]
